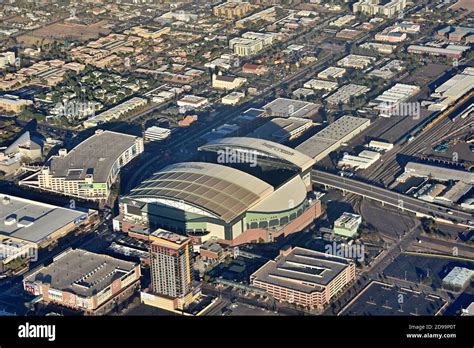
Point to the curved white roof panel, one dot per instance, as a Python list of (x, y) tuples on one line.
[(264, 147), (286, 197)]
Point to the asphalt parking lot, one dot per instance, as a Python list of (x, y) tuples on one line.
[(385, 299), (427, 269)]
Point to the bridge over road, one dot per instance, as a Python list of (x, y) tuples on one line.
[(401, 201)]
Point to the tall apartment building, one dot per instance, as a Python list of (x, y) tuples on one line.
[(375, 7), (171, 264), (232, 9)]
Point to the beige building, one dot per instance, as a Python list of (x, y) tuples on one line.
[(232, 9), (250, 43), (171, 267), (149, 33), (10, 103), (84, 281), (304, 277), (227, 82), (374, 7)]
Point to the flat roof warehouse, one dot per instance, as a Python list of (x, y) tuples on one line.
[(333, 136), (34, 221)]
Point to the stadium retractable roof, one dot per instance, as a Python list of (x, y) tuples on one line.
[(264, 147), (223, 191)]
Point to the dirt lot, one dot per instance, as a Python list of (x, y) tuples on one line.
[(467, 4), (65, 31)]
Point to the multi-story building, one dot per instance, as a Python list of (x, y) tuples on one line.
[(347, 224), (171, 263), (232, 9), (332, 73), (171, 266), (268, 15), (356, 61), (15, 104), (227, 82), (155, 133), (84, 281), (250, 43), (304, 277), (376, 7), (89, 170), (7, 58)]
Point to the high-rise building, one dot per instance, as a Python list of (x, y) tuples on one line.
[(172, 285), (171, 264)]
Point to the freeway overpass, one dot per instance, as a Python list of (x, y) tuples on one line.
[(401, 201)]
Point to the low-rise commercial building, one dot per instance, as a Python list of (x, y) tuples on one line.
[(7, 58), (349, 34), (347, 224), (320, 85), (332, 73), (342, 21), (356, 61), (450, 51), (388, 70), (453, 89), (227, 82), (254, 69), (344, 94), (14, 104), (389, 101), (380, 145), (458, 278), (24, 148), (148, 33), (281, 130), (284, 107), (304, 277), (438, 173), (250, 43), (232, 98), (378, 7), (156, 133), (333, 136), (269, 14), (84, 281), (193, 102), (28, 225), (115, 112), (380, 48), (362, 161)]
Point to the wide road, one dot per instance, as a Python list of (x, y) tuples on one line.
[(385, 196)]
